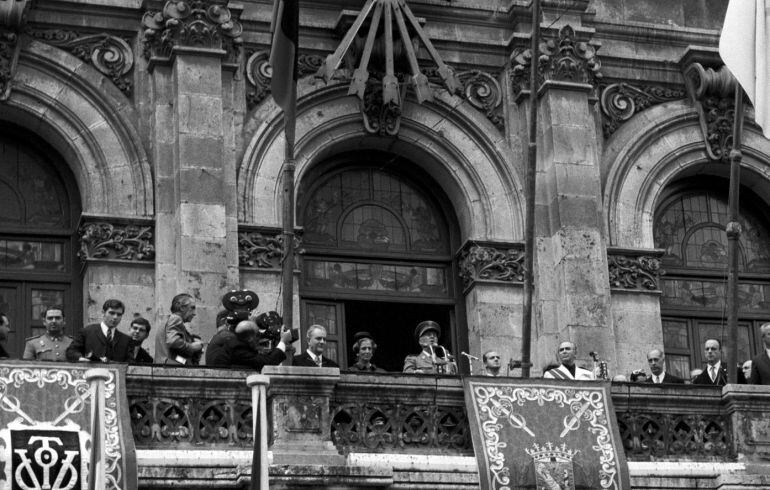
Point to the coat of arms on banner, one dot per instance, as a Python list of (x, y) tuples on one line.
[(554, 435)]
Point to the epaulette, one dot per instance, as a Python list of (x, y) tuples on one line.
[(33, 337)]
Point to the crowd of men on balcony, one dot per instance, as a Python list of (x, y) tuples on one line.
[(242, 344)]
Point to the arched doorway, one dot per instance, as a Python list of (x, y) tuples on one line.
[(39, 209), (378, 245), (690, 227)]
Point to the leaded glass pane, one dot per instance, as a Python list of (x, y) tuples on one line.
[(675, 334), (704, 294), (678, 365), (324, 315), (373, 228), (32, 255)]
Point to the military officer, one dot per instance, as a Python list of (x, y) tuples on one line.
[(52, 345), (427, 334)]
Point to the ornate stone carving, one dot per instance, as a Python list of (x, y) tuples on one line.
[(263, 248), (620, 101), (483, 92), (111, 55), (13, 16), (207, 24), (122, 241), (259, 73), (490, 263), (634, 271), (562, 59), (380, 117), (301, 413)]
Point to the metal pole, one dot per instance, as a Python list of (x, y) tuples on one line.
[(287, 182), (529, 246), (733, 236)]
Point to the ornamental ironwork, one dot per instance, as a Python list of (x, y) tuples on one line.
[(263, 248), (116, 241), (560, 59), (620, 101), (195, 24), (491, 263), (13, 16), (629, 271), (111, 55)]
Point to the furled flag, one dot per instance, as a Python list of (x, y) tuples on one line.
[(744, 48), (283, 53)]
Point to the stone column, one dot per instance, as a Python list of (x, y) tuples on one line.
[(193, 49)]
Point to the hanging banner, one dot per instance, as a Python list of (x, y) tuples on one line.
[(552, 435), (46, 419)]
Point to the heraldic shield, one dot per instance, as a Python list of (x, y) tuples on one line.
[(534, 434), (49, 432)]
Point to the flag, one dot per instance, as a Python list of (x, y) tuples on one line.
[(744, 45), (283, 52)]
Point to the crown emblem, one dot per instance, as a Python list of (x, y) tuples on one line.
[(549, 452)]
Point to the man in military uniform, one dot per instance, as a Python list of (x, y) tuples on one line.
[(427, 334), (52, 345)]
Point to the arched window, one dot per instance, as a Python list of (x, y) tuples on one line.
[(377, 256), (690, 228), (38, 216)]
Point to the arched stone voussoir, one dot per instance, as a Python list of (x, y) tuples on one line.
[(656, 148), (450, 141), (89, 122)]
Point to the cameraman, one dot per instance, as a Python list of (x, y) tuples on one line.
[(237, 347)]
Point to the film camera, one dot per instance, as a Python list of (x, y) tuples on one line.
[(239, 305), (269, 325)]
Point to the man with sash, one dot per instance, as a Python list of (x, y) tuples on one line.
[(568, 369)]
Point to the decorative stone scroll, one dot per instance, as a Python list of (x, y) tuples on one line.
[(204, 24), (560, 59), (620, 101), (111, 55), (491, 262), (635, 270), (262, 248), (100, 239), (13, 16), (482, 91), (259, 73)]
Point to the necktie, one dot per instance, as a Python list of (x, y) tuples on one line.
[(712, 373), (319, 360), (109, 336), (657, 380)]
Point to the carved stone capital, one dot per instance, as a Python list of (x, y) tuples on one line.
[(116, 239), (491, 262), (262, 248), (620, 101), (560, 59), (13, 16), (111, 55), (635, 270), (194, 24)]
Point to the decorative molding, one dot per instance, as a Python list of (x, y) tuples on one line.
[(262, 248), (111, 55), (562, 59), (380, 117), (650, 436), (197, 24), (259, 73), (483, 92), (13, 16), (116, 240), (620, 101), (635, 270), (491, 262)]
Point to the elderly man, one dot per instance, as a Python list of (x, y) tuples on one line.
[(567, 353), (715, 374), (102, 342), (429, 360), (491, 360), (316, 345), (364, 347), (760, 365), (139, 330), (237, 348), (176, 345), (53, 344), (656, 359)]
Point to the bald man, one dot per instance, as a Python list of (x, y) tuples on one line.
[(567, 353), (656, 359)]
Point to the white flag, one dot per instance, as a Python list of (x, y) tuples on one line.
[(744, 48)]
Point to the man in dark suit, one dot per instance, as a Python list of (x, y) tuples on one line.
[(760, 365), (139, 330), (656, 359), (714, 373), (316, 344), (237, 348), (102, 342)]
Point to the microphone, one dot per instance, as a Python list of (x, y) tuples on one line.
[(469, 356)]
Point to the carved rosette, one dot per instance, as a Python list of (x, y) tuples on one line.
[(620, 101), (713, 93), (632, 271), (263, 249), (13, 16), (560, 59), (117, 241), (111, 55), (491, 263), (195, 24)]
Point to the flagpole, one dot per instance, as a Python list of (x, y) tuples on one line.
[(289, 165), (733, 229)]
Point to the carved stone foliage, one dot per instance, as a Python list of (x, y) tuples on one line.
[(712, 92), (121, 241), (491, 263), (111, 55), (620, 101), (380, 117), (559, 59), (263, 248), (653, 435), (13, 16), (207, 24), (399, 427), (259, 73), (634, 271)]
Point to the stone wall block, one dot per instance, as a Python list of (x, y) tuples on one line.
[(198, 75), (579, 211), (166, 200), (200, 115), (203, 255), (636, 319), (201, 151), (202, 186), (576, 181), (202, 220), (571, 145)]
